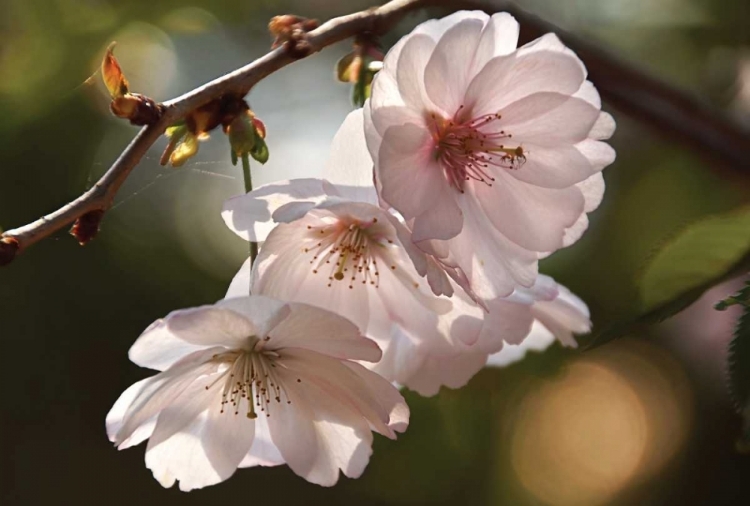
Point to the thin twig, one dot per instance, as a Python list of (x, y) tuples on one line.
[(671, 111)]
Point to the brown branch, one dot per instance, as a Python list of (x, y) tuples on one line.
[(670, 110)]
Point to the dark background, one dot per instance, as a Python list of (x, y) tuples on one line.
[(644, 420)]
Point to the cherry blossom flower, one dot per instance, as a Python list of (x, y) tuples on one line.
[(491, 153), (351, 257), (255, 381)]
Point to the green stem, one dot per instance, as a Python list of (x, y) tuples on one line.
[(248, 188)]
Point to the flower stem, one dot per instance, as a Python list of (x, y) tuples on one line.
[(248, 188)]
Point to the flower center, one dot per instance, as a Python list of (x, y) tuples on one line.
[(468, 149), (250, 375), (351, 248)]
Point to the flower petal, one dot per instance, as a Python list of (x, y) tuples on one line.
[(265, 313), (447, 74), (317, 436), (263, 452), (564, 316), (453, 371), (549, 119), (319, 330), (413, 183), (195, 442), (412, 61), (535, 218), (117, 413), (158, 392), (538, 339), (240, 285), (506, 79), (250, 216), (349, 162)]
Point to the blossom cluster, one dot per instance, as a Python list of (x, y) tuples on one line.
[(412, 263)]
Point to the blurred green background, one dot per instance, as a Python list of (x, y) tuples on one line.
[(644, 420)]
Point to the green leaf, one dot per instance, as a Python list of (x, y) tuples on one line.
[(741, 297), (703, 252), (738, 372), (260, 150)]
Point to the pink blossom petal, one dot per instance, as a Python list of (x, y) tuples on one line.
[(506, 79), (538, 340), (159, 391), (310, 328), (436, 28), (447, 74), (413, 183), (564, 316), (604, 127), (534, 218), (549, 119), (349, 163), (117, 413), (554, 167), (453, 371), (250, 216), (266, 313), (198, 446), (505, 322), (317, 436), (410, 71), (263, 452)]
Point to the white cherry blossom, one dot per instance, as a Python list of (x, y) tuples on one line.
[(255, 381), (491, 153)]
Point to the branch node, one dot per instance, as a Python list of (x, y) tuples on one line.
[(8, 250), (86, 227), (291, 32)]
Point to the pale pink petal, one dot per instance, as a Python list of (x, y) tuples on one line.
[(207, 326), (590, 94), (593, 191), (263, 452), (538, 340), (411, 178), (447, 74), (240, 285), (159, 391), (410, 71), (505, 322), (389, 398), (436, 28), (599, 154), (319, 330), (500, 37), (349, 162), (603, 128), (250, 216), (549, 119), (550, 42), (565, 316), (317, 436), (115, 416), (349, 383), (534, 218), (506, 79), (492, 265), (452, 371), (196, 443), (264, 312), (557, 167)]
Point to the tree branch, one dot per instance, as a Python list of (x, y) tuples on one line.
[(671, 111)]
